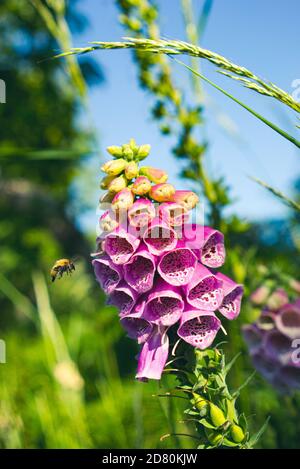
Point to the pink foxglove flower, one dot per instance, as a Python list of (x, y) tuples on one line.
[(164, 305), (157, 269), (107, 273), (120, 245), (159, 237), (153, 355), (177, 267), (140, 269), (231, 305), (205, 290), (199, 328)]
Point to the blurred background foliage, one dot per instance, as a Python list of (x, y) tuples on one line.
[(69, 377)]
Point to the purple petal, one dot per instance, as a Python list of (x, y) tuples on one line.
[(164, 305), (178, 266), (137, 327), (265, 365), (139, 271), (290, 376), (159, 237), (213, 250), (233, 293), (124, 298), (198, 328), (288, 321), (278, 346), (253, 337), (193, 236), (107, 273), (204, 291), (153, 356), (120, 245)]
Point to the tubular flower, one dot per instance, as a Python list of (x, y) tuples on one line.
[(155, 267), (270, 343)]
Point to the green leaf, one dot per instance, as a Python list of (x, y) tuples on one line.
[(240, 103), (254, 439)]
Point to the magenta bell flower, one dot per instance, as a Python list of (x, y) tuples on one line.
[(153, 355), (204, 291), (198, 328), (107, 273), (120, 245), (231, 305), (124, 298), (164, 305), (159, 237), (177, 267), (141, 213), (207, 242), (140, 269)]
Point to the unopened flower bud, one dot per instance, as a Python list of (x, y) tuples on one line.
[(131, 170), (260, 295), (123, 200), (133, 145), (108, 221), (115, 151), (114, 167), (105, 181), (237, 433), (117, 184), (127, 152), (213, 437), (216, 415), (141, 186), (143, 152), (187, 199), (162, 192), (158, 176), (199, 402)]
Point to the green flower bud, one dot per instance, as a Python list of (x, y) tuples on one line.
[(127, 152), (131, 170), (134, 147), (213, 437), (115, 151), (199, 401), (237, 433), (158, 176), (117, 184), (216, 415), (114, 167), (143, 152)]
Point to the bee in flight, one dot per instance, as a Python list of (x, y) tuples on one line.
[(60, 267)]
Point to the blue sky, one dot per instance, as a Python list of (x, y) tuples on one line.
[(262, 35)]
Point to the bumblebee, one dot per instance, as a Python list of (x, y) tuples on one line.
[(60, 267)]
